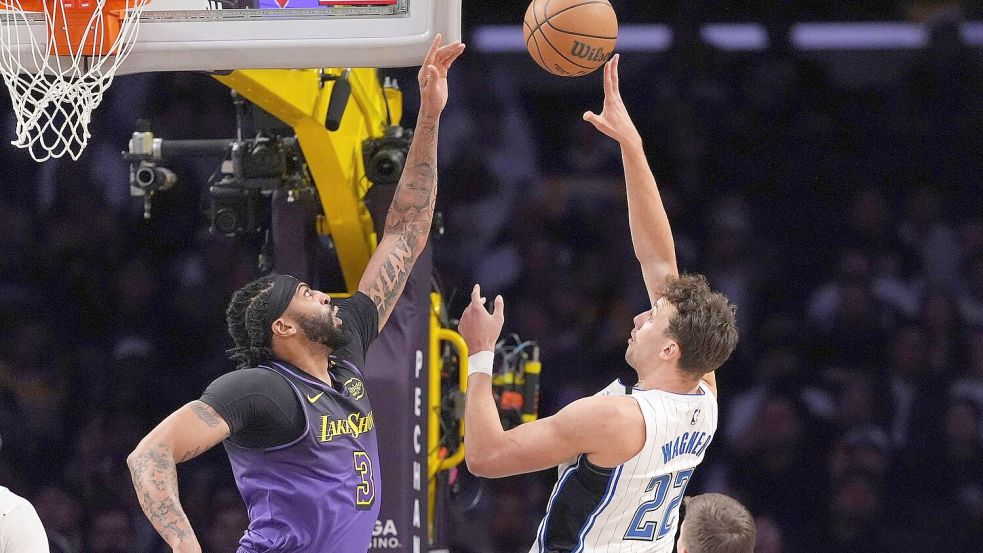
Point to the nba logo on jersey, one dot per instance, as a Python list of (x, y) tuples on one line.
[(695, 417)]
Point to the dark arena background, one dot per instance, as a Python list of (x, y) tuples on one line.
[(829, 180)]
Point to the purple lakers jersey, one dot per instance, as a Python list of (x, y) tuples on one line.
[(319, 492)]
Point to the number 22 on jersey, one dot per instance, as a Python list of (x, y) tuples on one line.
[(644, 527)]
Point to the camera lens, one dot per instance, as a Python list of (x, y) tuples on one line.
[(145, 177), (226, 221), (387, 165), (384, 158)]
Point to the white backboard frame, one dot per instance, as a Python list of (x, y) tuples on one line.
[(175, 36)]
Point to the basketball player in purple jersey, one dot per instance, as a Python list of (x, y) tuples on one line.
[(295, 418)]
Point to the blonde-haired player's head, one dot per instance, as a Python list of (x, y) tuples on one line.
[(715, 523)]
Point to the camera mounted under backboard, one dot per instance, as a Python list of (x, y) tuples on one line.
[(250, 171), (385, 156)]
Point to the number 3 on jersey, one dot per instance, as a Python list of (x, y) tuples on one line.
[(365, 489), (643, 530)]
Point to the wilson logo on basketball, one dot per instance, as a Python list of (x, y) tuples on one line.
[(586, 52)]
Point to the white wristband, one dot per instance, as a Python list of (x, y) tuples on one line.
[(481, 362)]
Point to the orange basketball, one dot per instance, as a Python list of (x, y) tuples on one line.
[(570, 38)]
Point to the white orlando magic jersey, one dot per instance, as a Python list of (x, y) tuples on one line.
[(632, 507)]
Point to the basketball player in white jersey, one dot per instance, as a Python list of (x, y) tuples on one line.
[(626, 454)]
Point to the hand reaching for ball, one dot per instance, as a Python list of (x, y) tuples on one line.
[(614, 120)]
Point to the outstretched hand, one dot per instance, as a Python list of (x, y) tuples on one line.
[(480, 328), (614, 120), (433, 75)]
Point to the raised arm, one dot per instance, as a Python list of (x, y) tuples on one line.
[(610, 430), (651, 235), (411, 212), (185, 434)]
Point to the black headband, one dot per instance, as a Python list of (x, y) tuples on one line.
[(283, 290)]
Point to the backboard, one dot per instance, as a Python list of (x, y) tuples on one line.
[(222, 35)]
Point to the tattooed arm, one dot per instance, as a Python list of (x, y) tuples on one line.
[(411, 212), (188, 432)]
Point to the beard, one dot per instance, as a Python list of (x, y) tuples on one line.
[(321, 329)]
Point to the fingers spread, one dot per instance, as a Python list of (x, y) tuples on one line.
[(499, 307)]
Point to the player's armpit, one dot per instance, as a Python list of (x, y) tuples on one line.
[(610, 430)]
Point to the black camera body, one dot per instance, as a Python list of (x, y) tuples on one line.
[(384, 157), (234, 209), (239, 197)]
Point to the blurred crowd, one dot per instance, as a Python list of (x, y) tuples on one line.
[(844, 222), (745, 10)]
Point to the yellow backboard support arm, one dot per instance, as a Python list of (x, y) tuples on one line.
[(297, 97)]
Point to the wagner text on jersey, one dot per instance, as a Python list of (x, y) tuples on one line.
[(688, 443)]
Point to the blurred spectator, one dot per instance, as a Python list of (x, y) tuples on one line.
[(944, 333), (769, 538), (855, 510), (773, 461), (61, 512), (228, 522), (954, 471), (926, 231), (860, 400), (913, 391), (971, 292), (848, 315), (111, 531)]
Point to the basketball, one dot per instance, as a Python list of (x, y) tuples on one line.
[(570, 38)]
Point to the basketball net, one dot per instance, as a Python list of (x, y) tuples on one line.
[(58, 68)]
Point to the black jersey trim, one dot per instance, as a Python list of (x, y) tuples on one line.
[(541, 533), (348, 364), (630, 387), (576, 509), (592, 518), (298, 374)]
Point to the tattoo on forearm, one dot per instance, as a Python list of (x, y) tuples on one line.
[(191, 454), (155, 480), (207, 415), (409, 217)]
